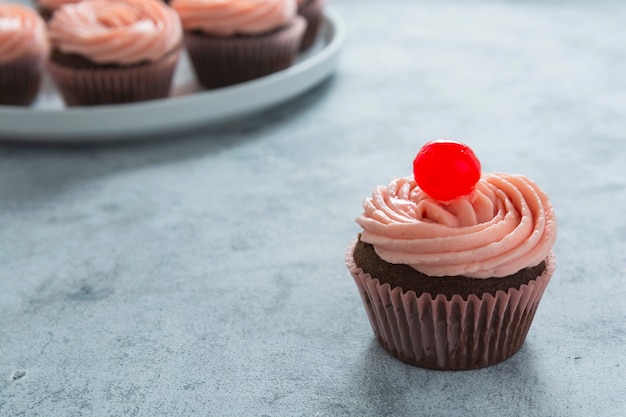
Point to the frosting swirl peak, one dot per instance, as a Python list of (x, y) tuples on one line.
[(54, 4), (122, 32), (22, 33), (505, 225), (230, 17)]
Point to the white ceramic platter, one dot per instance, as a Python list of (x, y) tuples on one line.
[(48, 120)]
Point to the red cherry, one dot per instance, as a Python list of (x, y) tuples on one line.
[(445, 169)]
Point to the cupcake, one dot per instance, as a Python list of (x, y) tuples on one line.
[(23, 52), (313, 12), (114, 51), (232, 41), (451, 264), (47, 7)]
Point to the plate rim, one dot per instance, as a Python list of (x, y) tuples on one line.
[(96, 123)]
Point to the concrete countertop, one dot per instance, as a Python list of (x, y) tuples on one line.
[(203, 275)]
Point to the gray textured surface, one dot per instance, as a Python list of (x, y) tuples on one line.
[(204, 275)]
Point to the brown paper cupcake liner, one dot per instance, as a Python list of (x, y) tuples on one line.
[(220, 61), (433, 332), (20, 80), (313, 12), (96, 86)]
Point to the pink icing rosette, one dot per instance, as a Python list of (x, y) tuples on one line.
[(123, 32), (506, 225), (54, 4), (22, 33), (232, 17)]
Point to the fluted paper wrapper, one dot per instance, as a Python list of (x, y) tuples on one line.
[(436, 333), (223, 61), (96, 86), (313, 12), (20, 80)]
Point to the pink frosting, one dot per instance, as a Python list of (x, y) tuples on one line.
[(230, 17), (22, 33), (54, 4), (122, 32), (505, 225)]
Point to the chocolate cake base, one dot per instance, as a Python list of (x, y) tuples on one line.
[(220, 61), (313, 12), (448, 324), (80, 62), (20, 80), (83, 82), (45, 13), (409, 279)]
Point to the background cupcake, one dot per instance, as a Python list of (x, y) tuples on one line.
[(114, 51), (451, 265), (231, 41), (313, 12), (23, 51)]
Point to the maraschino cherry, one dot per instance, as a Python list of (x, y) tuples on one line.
[(446, 169)]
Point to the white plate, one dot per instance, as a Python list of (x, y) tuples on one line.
[(47, 120)]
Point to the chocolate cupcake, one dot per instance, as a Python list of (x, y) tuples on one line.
[(114, 51), (313, 12), (23, 51), (232, 41), (451, 264)]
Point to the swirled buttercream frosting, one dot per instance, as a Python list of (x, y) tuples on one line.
[(22, 33), (232, 17), (54, 4), (123, 32), (505, 225)]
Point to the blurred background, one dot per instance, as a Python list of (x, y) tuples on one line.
[(201, 272)]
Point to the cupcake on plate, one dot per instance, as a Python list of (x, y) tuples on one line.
[(114, 51), (451, 264), (313, 12), (47, 7), (23, 52), (232, 41)]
